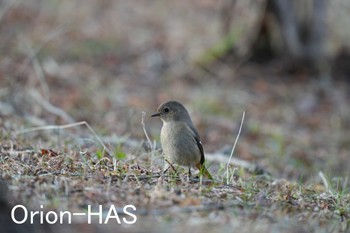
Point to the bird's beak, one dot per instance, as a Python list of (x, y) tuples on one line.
[(156, 114)]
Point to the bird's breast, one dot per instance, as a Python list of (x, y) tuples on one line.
[(179, 144)]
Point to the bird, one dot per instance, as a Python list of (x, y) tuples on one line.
[(179, 138)]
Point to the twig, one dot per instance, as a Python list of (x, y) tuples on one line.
[(152, 153), (55, 127), (222, 158), (233, 149), (145, 131), (152, 146)]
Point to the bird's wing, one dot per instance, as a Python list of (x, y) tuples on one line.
[(199, 143)]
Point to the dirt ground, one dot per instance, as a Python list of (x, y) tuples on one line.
[(106, 62)]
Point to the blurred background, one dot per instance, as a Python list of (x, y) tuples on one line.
[(286, 63)]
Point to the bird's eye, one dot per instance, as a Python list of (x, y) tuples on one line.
[(166, 109)]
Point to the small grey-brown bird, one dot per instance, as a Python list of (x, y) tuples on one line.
[(179, 138)]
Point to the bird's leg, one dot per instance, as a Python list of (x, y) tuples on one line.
[(189, 175), (170, 166), (166, 169)]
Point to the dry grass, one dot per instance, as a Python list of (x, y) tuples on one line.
[(72, 180)]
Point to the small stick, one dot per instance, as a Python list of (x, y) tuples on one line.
[(52, 127), (233, 148), (152, 146), (145, 131)]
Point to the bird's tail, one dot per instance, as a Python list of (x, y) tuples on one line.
[(203, 171)]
